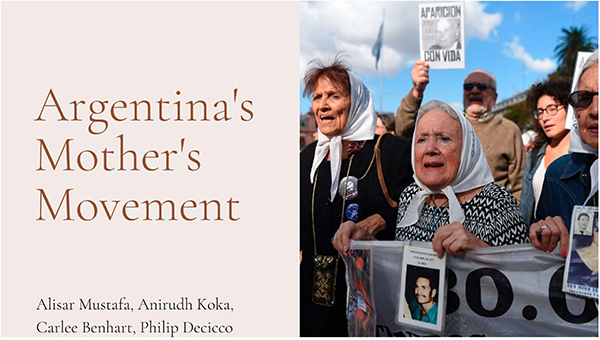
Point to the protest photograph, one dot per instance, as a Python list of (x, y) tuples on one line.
[(483, 169)]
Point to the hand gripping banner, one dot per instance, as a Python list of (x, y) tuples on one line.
[(502, 291)]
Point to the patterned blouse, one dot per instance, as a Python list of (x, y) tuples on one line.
[(492, 216)]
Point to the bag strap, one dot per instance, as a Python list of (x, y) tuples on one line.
[(390, 201)]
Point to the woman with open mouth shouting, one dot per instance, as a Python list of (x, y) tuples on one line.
[(454, 202), (348, 174)]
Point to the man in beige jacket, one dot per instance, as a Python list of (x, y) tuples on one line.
[(500, 138)]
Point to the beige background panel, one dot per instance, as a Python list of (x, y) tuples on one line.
[(148, 51)]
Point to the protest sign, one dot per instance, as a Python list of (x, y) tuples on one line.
[(441, 31), (501, 291), (421, 299), (581, 271)]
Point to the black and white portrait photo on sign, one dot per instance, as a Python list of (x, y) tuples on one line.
[(447, 34), (422, 289), (441, 29), (581, 268), (583, 224)]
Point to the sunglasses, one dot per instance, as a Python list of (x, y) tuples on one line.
[(480, 86), (581, 99)]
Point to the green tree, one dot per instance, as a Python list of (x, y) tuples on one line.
[(573, 40), (519, 115)]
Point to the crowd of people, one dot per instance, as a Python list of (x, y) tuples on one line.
[(356, 182)]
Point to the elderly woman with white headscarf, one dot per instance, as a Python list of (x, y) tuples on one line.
[(573, 178), (454, 201), (349, 174)]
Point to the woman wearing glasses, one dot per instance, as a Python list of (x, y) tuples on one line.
[(548, 104), (572, 179)]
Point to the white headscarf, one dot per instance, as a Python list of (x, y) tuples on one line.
[(577, 144), (360, 126), (473, 172)]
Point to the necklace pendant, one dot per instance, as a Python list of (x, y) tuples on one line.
[(349, 186)]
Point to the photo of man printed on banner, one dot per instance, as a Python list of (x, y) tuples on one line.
[(421, 294), (582, 263)]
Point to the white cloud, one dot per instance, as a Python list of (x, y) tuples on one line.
[(576, 5), (352, 27), (516, 51), (478, 23), (457, 105)]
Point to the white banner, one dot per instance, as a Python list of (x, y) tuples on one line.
[(501, 291)]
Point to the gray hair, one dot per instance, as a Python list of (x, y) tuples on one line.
[(435, 104), (590, 62), (492, 78)]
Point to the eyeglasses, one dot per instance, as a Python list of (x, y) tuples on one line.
[(581, 99), (481, 86), (551, 109)]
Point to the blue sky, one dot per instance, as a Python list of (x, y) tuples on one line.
[(512, 39)]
